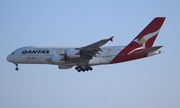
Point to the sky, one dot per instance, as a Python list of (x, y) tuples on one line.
[(151, 82)]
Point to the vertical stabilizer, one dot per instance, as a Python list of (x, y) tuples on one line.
[(148, 35)]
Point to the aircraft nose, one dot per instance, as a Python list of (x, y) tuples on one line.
[(9, 58)]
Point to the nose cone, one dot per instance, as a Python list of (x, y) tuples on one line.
[(9, 58)]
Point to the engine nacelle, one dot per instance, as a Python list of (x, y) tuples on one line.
[(72, 53), (58, 59)]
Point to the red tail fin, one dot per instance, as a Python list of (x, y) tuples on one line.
[(143, 40), (147, 36)]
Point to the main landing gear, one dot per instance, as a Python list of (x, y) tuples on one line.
[(86, 68), (16, 67)]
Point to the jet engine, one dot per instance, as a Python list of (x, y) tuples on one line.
[(58, 59), (72, 53)]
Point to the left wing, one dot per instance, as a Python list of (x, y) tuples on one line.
[(91, 50), (87, 52), (96, 45)]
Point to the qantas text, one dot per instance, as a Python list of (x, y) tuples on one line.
[(35, 52)]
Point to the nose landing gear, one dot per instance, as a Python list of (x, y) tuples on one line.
[(16, 67)]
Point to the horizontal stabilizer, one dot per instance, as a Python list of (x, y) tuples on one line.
[(148, 50)]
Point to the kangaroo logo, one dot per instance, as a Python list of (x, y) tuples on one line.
[(142, 41)]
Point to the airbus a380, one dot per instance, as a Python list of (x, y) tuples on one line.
[(83, 58)]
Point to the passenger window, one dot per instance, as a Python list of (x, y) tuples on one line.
[(12, 53)]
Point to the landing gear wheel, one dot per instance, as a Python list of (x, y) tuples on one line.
[(16, 68), (86, 68), (76, 68), (83, 69), (90, 68)]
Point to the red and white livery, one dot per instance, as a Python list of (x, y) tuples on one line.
[(83, 58)]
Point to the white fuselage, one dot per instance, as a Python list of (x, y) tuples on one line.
[(43, 55)]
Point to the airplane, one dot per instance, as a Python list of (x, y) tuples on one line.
[(83, 58)]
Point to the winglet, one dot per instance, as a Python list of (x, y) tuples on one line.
[(111, 38)]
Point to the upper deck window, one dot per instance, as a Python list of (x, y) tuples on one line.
[(12, 53)]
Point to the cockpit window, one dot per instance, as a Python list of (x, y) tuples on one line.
[(12, 53)]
